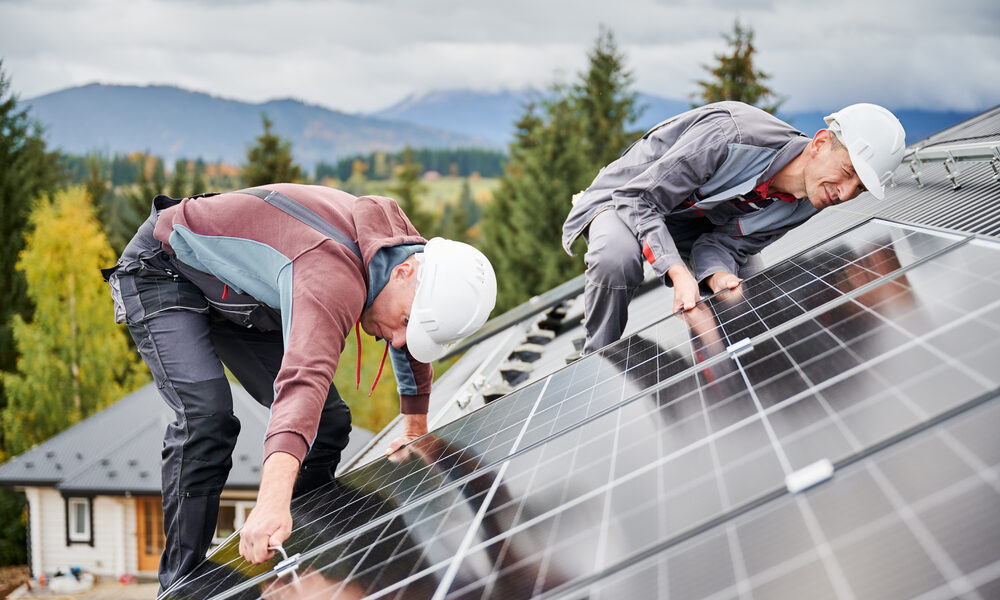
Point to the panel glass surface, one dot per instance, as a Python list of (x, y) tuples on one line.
[(918, 519)]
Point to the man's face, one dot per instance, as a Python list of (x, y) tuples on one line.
[(829, 175), (389, 313)]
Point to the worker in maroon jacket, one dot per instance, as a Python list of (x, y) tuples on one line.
[(270, 283)]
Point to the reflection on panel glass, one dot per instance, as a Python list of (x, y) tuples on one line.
[(920, 519), (673, 439)]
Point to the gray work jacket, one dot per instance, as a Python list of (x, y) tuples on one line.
[(687, 174)]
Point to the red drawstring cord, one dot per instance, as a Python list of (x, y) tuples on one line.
[(380, 367), (357, 372), (225, 291)]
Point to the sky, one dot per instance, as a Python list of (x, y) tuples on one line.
[(361, 56)]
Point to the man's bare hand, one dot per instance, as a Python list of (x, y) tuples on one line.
[(686, 294), (270, 521), (723, 281), (414, 426), (265, 527)]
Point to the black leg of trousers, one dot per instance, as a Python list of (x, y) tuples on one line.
[(198, 445), (255, 357)]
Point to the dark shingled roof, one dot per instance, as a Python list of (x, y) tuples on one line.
[(117, 451)]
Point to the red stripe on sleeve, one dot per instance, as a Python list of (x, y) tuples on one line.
[(648, 252)]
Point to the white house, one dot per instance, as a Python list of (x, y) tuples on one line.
[(93, 491)]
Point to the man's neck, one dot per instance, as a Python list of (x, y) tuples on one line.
[(791, 178)]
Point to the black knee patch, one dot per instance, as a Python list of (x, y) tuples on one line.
[(207, 437)]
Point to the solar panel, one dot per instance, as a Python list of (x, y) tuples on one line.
[(916, 520), (686, 440)]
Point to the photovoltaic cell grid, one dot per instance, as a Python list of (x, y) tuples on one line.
[(663, 438), (915, 521)]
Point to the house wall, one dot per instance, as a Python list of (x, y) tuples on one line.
[(115, 549), (109, 556)]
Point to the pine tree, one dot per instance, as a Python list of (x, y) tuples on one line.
[(456, 220), (606, 102), (199, 185), (407, 191), (13, 528), (270, 160), (97, 186), (128, 206), (27, 171), (73, 359), (179, 187), (555, 154), (357, 183), (158, 180), (523, 224), (734, 77)]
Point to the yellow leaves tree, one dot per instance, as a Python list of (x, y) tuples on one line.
[(74, 360)]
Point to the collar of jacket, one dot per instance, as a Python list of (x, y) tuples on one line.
[(385, 260)]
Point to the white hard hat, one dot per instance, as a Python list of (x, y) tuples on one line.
[(456, 291), (875, 141)]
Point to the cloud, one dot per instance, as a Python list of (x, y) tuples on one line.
[(363, 55)]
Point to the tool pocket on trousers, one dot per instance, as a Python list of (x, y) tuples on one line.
[(116, 298)]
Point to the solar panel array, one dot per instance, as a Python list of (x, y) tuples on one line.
[(670, 463)]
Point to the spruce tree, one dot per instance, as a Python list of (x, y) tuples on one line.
[(128, 206), (199, 185), (73, 359), (468, 204), (179, 187), (270, 160), (27, 170), (555, 154), (357, 183), (97, 186), (456, 220), (407, 190), (606, 102), (523, 224), (734, 77)]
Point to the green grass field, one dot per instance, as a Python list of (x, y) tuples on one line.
[(439, 192)]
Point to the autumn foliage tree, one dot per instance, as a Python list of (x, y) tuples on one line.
[(74, 360), (27, 170)]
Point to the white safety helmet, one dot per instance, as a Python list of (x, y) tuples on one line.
[(456, 291), (875, 141)]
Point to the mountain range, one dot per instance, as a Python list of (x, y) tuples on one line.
[(173, 123)]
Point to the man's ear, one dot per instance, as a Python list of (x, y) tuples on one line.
[(817, 142), (403, 270)]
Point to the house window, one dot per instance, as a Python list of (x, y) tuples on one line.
[(79, 521), (232, 515)]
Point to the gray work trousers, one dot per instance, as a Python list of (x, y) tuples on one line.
[(614, 273), (185, 345)]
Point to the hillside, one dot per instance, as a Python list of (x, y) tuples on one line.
[(491, 114), (172, 123)]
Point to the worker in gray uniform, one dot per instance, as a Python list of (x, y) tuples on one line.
[(700, 194)]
